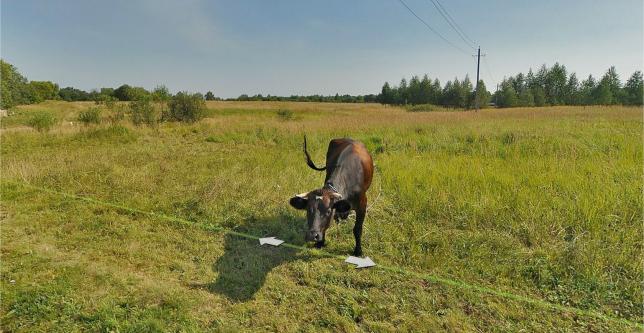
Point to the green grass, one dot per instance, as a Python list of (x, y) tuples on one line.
[(543, 203), (428, 108)]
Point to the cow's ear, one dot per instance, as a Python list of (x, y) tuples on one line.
[(299, 201), (342, 206)]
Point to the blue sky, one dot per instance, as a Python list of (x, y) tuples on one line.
[(308, 47)]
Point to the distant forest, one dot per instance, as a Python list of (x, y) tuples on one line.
[(548, 86)]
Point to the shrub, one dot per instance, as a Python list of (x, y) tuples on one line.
[(42, 121), (186, 107), (285, 114), (108, 100), (423, 108), (116, 113), (143, 112), (90, 116)]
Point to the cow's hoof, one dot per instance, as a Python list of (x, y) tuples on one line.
[(357, 252), (319, 245)]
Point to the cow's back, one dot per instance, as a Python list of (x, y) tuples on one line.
[(349, 148)]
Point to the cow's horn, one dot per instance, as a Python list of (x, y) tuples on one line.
[(337, 195), (303, 195)]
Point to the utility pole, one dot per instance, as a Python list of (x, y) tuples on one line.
[(478, 65)]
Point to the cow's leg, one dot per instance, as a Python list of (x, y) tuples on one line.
[(361, 211)]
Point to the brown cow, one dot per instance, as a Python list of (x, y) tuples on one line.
[(349, 170)]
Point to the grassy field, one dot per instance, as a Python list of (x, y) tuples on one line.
[(544, 203)]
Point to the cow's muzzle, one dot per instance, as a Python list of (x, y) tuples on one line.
[(314, 236)]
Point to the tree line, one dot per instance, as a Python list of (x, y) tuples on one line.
[(554, 86), (456, 94), (16, 90), (548, 86), (337, 98)]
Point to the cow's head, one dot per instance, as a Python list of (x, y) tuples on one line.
[(320, 207)]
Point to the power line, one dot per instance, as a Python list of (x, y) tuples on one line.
[(432, 29), (452, 23), (489, 71)]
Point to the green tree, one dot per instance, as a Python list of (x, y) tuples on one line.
[(414, 91), (13, 86), (483, 94), (437, 92), (612, 81), (587, 91), (386, 94), (603, 94), (128, 93), (450, 95), (518, 82), (122, 92), (210, 96), (161, 94), (555, 84), (633, 90), (107, 91), (530, 80), (539, 95), (44, 90), (137, 93), (426, 93), (572, 93), (507, 95), (71, 94), (465, 94), (540, 78), (526, 98), (108, 100), (403, 93)]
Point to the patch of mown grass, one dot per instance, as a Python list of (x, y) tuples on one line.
[(541, 204)]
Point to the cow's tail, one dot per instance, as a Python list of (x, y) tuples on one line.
[(308, 159)]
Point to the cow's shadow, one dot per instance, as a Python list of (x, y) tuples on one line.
[(242, 269)]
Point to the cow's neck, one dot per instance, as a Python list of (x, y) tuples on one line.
[(336, 182)]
